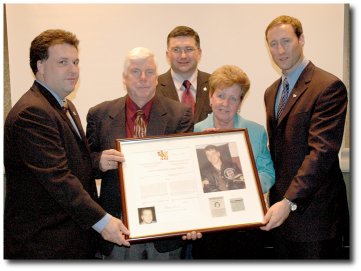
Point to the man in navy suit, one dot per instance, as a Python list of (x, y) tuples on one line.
[(184, 54), (50, 204), (309, 210), (117, 119)]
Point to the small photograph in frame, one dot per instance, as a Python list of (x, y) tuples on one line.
[(237, 204), (220, 167), (217, 207), (147, 215)]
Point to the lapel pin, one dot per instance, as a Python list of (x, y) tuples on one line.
[(205, 89), (294, 95)]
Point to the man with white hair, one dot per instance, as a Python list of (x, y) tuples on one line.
[(139, 113)]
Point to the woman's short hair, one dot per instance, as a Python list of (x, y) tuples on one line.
[(229, 75)]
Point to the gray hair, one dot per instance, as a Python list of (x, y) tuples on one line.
[(139, 53)]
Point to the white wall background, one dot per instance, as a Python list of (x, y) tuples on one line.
[(230, 34)]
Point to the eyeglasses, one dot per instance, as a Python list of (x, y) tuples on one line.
[(186, 50)]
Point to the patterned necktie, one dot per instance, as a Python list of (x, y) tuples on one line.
[(140, 128), (284, 97), (187, 97)]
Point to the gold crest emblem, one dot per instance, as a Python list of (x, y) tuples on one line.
[(163, 155)]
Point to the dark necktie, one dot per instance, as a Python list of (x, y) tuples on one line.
[(140, 128), (284, 97), (187, 97), (66, 110), (65, 107)]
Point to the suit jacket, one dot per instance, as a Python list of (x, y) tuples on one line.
[(106, 122), (50, 189), (304, 145), (167, 88)]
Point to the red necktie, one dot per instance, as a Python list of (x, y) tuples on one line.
[(140, 128), (187, 97)]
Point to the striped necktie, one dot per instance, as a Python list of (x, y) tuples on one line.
[(140, 128), (284, 97)]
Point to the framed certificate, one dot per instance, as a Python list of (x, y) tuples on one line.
[(174, 184)]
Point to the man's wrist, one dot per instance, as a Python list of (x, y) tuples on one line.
[(292, 205)]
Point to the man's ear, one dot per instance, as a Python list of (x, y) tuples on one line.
[(301, 40), (40, 66)]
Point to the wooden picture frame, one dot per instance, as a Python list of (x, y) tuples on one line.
[(171, 182)]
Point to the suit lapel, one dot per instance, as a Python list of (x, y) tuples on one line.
[(157, 119), (117, 119), (167, 86), (47, 95), (77, 121), (300, 87), (202, 94), (54, 103), (270, 106)]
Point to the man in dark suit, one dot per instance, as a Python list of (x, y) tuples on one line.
[(309, 211), (50, 204), (183, 54), (118, 119)]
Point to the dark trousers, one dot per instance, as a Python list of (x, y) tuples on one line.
[(143, 251), (247, 244), (325, 249)]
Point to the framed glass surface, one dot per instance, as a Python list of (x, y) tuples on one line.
[(174, 184)]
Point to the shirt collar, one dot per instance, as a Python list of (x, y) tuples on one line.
[(178, 80), (55, 95), (293, 76), (132, 108)]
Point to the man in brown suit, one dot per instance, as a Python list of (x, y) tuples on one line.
[(183, 54), (50, 204), (309, 212)]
